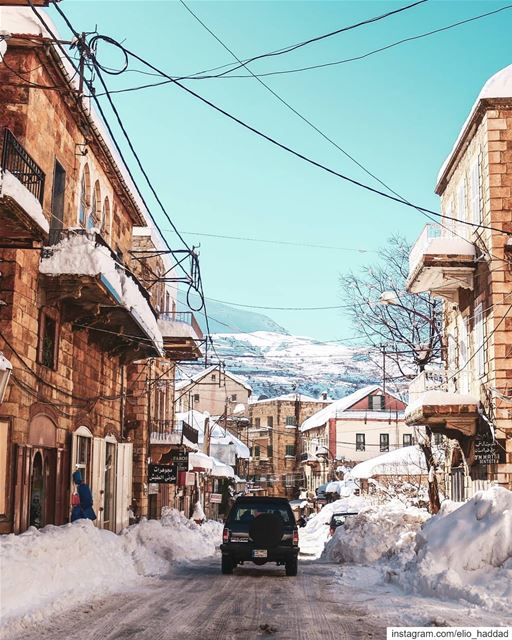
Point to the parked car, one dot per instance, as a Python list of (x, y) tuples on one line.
[(339, 519), (260, 530)]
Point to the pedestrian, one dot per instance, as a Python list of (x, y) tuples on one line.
[(82, 504)]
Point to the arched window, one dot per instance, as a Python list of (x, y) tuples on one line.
[(94, 216), (85, 195), (105, 217)]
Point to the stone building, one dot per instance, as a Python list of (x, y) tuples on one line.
[(359, 426), (466, 261), (275, 444), (214, 390), (76, 321)]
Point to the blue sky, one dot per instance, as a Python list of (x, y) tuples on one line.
[(398, 112)]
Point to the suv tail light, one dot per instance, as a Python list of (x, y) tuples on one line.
[(296, 537), (225, 535)]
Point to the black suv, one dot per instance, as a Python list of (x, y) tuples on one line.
[(260, 530)]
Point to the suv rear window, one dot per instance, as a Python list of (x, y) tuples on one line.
[(248, 511)]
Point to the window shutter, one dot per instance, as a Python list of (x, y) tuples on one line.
[(461, 208), (98, 478), (123, 484), (478, 340), (476, 209)]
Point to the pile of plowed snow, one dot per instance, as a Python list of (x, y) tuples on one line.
[(466, 552), (314, 535), (54, 568), (378, 531)]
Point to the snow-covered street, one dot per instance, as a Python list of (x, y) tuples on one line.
[(390, 565), (195, 601)]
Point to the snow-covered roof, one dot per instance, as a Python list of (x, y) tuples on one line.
[(407, 461), (199, 460), (287, 397), (497, 86), (199, 376), (337, 407)]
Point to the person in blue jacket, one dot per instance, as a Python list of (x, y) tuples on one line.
[(84, 508)]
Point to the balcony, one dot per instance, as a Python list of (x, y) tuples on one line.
[(432, 404), (181, 334), (440, 264), (21, 197), (101, 294), (165, 432)]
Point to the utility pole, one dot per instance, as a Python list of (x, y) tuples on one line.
[(383, 347)]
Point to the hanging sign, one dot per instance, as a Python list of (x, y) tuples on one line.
[(179, 457), (162, 473), (486, 451)]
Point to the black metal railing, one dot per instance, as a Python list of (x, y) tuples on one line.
[(17, 161), (161, 429)]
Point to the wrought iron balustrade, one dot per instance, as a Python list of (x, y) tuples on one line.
[(20, 163)]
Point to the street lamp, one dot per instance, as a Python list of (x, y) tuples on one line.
[(5, 374)]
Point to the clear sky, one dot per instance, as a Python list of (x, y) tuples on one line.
[(398, 112)]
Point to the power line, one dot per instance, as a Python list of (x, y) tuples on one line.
[(307, 159), (362, 56), (278, 242), (97, 68), (201, 76), (294, 47)]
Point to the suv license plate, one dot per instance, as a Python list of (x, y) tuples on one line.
[(259, 553)]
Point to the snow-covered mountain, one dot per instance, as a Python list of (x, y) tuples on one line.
[(225, 319), (273, 363)]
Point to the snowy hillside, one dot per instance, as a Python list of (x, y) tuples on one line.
[(225, 319), (273, 363)]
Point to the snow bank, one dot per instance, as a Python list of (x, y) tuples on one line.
[(55, 568), (314, 535), (379, 531), (406, 461), (466, 553)]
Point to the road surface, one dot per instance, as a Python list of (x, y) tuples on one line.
[(196, 602)]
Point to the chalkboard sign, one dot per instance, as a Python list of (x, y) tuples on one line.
[(162, 473)]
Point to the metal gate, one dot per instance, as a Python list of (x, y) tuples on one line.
[(457, 484)]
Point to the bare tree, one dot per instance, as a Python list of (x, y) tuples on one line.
[(406, 326)]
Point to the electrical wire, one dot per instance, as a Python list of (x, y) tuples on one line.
[(202, 76), (278, 242), (123, 129), (311, 161), (304, 43), (362, 56)]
